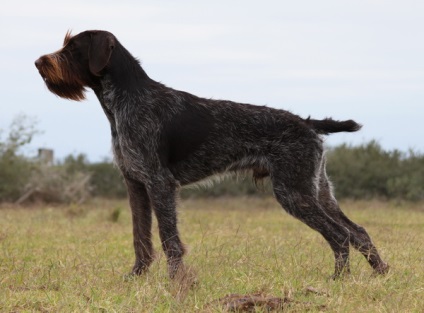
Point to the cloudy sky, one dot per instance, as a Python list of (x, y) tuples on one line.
[(346, 59)]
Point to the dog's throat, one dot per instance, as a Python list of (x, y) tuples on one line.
[(108, 94)]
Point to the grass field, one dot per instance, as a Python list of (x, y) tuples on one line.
[(73, 259)]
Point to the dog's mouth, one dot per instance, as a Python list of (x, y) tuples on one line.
[(38, 65), (44, 68), (43, 76)]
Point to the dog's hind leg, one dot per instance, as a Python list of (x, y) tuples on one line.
[(359, 237), (301, 203)]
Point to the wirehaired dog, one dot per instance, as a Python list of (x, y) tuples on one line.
[(164, 138)]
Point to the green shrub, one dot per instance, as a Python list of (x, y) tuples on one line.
[(359, 172), (106, 180), (14, 167), (368, 171)]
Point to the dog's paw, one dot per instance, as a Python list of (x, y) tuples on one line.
[(382, 269)]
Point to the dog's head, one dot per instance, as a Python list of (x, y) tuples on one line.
[(78, 64)]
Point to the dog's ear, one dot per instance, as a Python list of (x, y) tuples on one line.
[(101, 47)]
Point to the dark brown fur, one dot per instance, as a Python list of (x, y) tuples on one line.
[(164, 138)]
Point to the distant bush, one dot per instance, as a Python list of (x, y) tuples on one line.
[(368, 171), (408, 183), (15, 168), (105, 179), (358, 172), (29, 179), (55, 184)]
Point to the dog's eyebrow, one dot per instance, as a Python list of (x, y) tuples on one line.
[(68, 37)]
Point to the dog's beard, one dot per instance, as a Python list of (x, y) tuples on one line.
[(59, 80), (68, 91)]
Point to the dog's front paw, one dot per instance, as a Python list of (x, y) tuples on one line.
[(138, 270)]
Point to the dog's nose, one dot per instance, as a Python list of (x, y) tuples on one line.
[(38, 63)]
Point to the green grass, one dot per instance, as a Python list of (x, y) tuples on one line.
[(73, 259)]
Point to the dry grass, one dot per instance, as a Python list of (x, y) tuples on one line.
[(73, 259)]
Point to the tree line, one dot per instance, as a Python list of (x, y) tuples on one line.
[(358, 172)]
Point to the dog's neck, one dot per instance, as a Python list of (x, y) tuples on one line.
[(124, 71), (114, 86)]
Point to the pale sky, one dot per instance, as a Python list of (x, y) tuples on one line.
[(359, 59)]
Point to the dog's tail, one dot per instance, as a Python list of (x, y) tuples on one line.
[(328, 126)]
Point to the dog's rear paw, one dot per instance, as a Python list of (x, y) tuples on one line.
[(382, 269)]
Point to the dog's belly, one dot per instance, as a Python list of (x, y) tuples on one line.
[(200, 167)]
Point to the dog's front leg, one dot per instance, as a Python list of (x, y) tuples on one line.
[(162, 192), (142, 224)]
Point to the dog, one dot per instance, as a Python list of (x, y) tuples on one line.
[(164, 138)]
